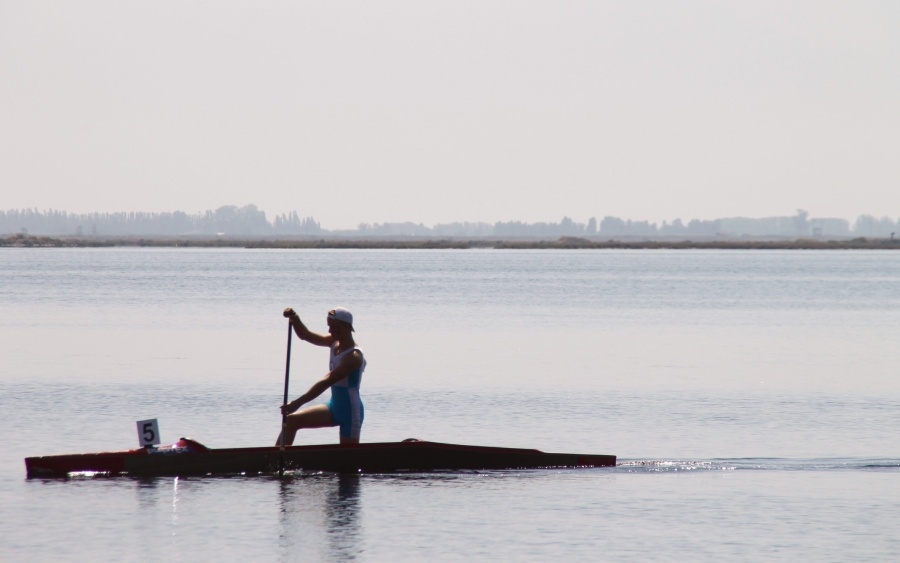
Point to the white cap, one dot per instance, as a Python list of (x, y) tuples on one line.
[(341, 314)]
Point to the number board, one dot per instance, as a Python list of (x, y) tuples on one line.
[(148, 432)]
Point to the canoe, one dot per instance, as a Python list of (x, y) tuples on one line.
[(190, 458)]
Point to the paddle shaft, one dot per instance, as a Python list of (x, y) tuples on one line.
[(287, 379)]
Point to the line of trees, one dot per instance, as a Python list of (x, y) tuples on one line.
[(226, 220), (249, 221)]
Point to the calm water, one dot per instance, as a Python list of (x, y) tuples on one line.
[(753, 399)]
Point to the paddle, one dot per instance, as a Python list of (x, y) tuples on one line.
[(287, 377)]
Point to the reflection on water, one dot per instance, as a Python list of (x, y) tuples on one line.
[(174, 504), (147, 491), (329, 506), (311, 517), (156, 513)]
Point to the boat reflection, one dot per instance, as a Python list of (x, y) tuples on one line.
[(320, 517)]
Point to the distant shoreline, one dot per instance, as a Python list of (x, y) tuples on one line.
[(413, 243)]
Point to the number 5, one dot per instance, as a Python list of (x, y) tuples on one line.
[(148, 432)]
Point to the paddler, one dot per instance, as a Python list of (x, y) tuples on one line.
[(345, 368)]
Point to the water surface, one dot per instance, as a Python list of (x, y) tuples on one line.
[(752, 398)]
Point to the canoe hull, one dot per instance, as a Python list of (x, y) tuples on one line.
[(388, 457)]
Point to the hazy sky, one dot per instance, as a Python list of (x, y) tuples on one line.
[(453, 111)]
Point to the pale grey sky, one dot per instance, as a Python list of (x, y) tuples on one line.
[(453, 111)]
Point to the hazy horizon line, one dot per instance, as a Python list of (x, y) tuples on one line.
[(252, 207)]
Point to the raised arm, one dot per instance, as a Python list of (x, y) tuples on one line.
[(304, 333)]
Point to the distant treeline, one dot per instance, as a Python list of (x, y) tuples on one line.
[(226, 220), (249, 221), (422, 243)]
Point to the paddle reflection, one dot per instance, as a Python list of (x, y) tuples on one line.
[(320, 517)]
